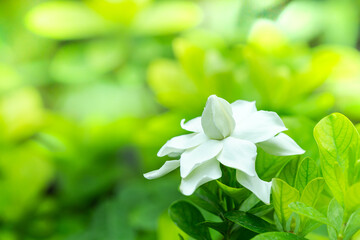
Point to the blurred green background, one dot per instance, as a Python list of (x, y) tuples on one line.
[(90, 90)]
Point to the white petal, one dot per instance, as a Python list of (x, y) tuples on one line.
[(281, 145), (208, 171), (259, 187), (193, 125), (239, 154), (217, 119), (165, 169), (259, 127), (194, 157), (178, 144), (242, 109)]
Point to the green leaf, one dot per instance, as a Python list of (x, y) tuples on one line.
[(238, 194), (353, 225), (310, 197), (283, 194), (352, 200), (66, 20), (338, 143), (312, 192), (249, 203), (310, 212), (221, 227), (335, 216), (188, 218), (207, 200), (268, 166), (261, 210), (277, 236), (288, 173), (249, 221), (307, 171)]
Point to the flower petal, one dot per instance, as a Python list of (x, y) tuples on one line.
[(178, 144), (193, 125), (165, 169), (259, 187), (217, 119), (239, 154), (259, 126), (242, 109), (208, 171), (281, 145), (194, 157)]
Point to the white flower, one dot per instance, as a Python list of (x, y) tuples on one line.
[(228, 134)]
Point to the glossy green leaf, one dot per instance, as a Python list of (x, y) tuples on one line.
[(221, 227), (249, 221), (207, 200), (308, 170), (310, 212), (283, 194), (188, 218), (249, 203), (238, 194), (338, 143), (277, 236)]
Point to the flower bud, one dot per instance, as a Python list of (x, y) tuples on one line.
[(217, 119)]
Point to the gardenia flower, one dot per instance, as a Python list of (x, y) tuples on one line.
[(228, 134)]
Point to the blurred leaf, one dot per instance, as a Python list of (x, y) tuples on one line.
[(118, 11), (172, 87), (21, 114), (105, 101), (77, 63), (249, 221), (167, 17), (27, 167), (188, 218), (66, 20), (167, 229), (191, 58), (311, 24)]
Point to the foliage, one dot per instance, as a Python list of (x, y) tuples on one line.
[(91, 89)]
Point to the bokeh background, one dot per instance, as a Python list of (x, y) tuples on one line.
[(90, 90)]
